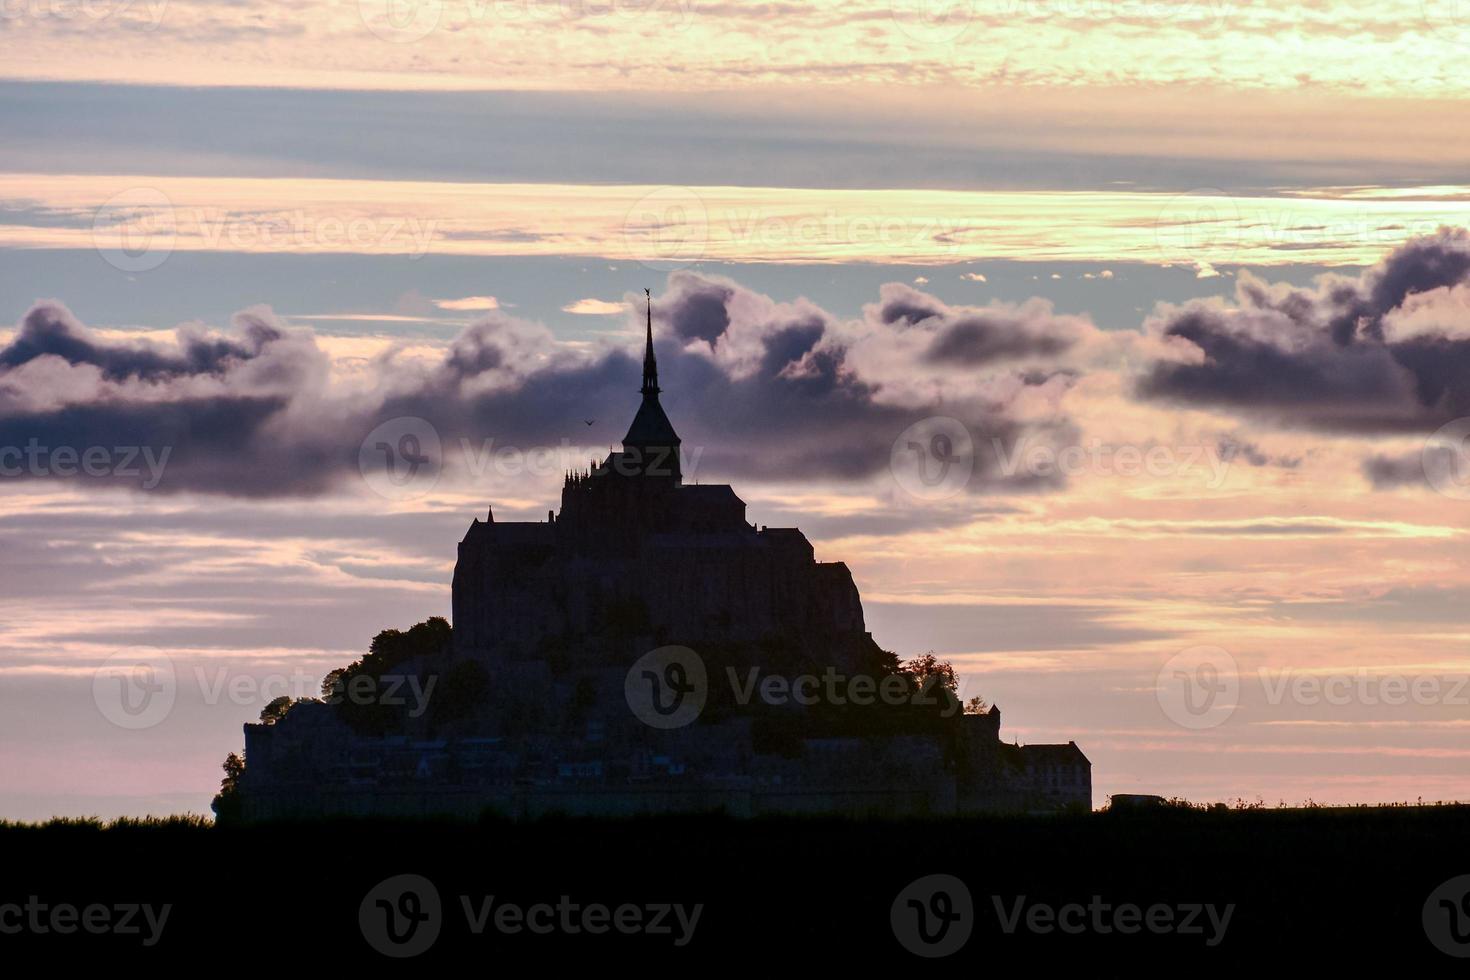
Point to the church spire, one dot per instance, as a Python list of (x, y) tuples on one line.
[(650, 366), (651, 444)]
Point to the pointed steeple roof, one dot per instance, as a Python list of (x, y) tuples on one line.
[(651, 427), (650, 363)]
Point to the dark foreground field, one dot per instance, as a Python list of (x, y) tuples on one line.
[(1162, 892)]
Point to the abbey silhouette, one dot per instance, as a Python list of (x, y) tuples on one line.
[(645, 649)]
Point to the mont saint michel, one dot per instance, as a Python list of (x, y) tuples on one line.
[(645, 649)]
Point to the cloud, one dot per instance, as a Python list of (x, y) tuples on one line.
[(696, 307), (1390, 472), (780, 391), (972, 336), (469, 303), (595, 307), (50, 329), (1387, 351), (1230, 448)]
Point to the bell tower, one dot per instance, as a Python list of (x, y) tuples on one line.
[(651, 447)]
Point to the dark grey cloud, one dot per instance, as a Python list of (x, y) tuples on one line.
[(48, 328), (981, 339), (1231, 448), (695, 308), (1327, 357), (756, 388), (1390, 472), (790, 343), (969, 336)]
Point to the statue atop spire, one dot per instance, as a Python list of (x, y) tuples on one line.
[(650, 364)]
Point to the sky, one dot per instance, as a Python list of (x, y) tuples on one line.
[(1121, 348)]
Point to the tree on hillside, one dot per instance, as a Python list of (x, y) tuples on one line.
[(226, 803)]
